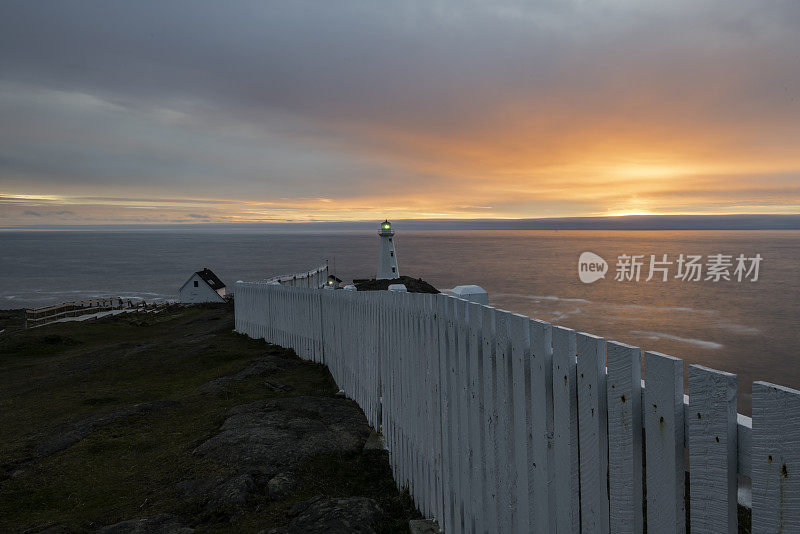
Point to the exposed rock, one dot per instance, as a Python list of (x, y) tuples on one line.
[(66, 437), (423, 526), (275, 435), (324, 515), (282, 485), (257, 367), (277, 386), (218, 492), (154, 524), (55, 529), (375, 442)]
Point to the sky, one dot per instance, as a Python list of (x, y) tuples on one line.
[(177, 111)]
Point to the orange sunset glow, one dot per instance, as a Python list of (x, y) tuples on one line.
[(458, 112)]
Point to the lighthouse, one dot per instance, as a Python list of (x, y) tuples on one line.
[(387, 259)]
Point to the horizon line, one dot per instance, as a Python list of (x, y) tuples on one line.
[(744, 221)]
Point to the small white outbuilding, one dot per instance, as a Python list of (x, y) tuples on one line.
[(202, 286), (470, 292)]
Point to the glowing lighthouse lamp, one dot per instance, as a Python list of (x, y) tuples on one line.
[(387, 260)]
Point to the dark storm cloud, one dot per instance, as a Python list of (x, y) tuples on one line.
[(349, 60)]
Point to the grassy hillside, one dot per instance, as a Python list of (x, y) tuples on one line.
[(101, 421)]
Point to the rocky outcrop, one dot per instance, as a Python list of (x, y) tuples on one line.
[(282, 485), (220, 492), (264, 365), (325, 515), (154, 524), (274, 436)]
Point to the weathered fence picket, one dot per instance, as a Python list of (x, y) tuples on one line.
[(460, 432), (624, 438), (776, 459), (444, 324), (491, 475), (504, 454), (476, 452), (712, 450), (565, 432), (464, 409), (496, 422), (663, 422), (539, 376), (592, 433), (520, 431)]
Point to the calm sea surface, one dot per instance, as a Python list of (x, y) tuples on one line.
[(749, 328)]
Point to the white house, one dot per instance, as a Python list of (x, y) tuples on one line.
[(334, 282), (202, 286)]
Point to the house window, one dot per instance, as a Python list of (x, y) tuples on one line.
[(390, 240), (195, 283), (392, 269), (391, 253)]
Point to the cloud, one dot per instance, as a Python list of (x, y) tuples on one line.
[(425, 109)]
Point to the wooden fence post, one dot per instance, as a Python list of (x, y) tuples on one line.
[(492, 477), (776, 458), (712, 450), (565, 428), (540, 405), (444, 313), (593, 433), (624, 383), (663, 421), (521, 433), (434, 396), (477, 450), (464, 410), (507, 488)]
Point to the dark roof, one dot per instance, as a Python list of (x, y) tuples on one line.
[(413, 285), (211, 279)]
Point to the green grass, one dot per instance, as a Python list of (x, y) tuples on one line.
[(12, 319), (58, 375)]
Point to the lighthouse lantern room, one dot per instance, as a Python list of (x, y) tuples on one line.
[(387, 259)]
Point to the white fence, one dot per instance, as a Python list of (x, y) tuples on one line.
[(501, 423), (315, 278)]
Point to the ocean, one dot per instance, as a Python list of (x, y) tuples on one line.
[(746, 327)]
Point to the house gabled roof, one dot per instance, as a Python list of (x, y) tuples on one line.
[(208, 276)]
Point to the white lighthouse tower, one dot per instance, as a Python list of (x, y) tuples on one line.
[(387, 259)]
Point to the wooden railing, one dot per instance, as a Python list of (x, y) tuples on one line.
[(497, 422), (49, 314), (315, 278)]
